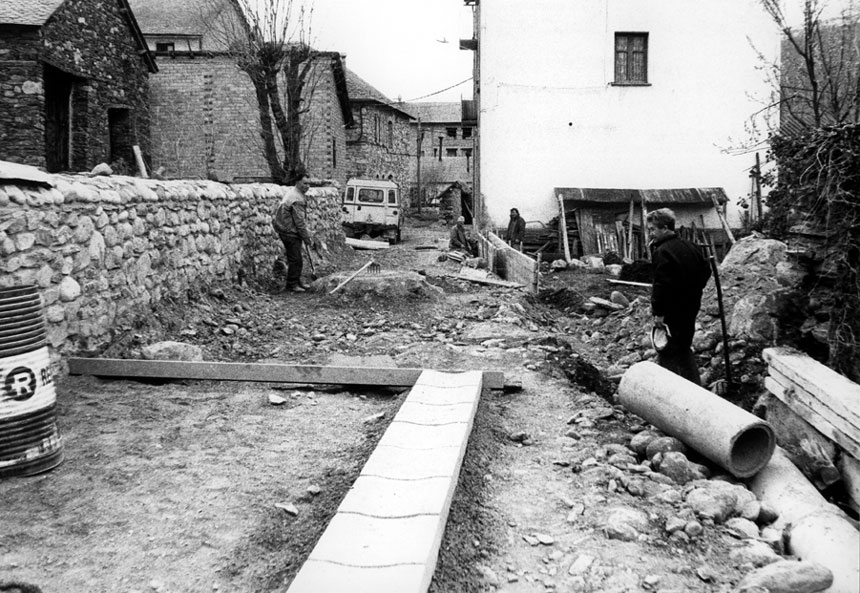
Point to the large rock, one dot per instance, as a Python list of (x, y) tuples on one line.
[(625, 523), (718, 500), (172, 351), (676, 465), (387, 284), (754, 251), (787, 576), (755, 553)]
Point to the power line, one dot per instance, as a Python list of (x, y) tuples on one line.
[(435, 93)]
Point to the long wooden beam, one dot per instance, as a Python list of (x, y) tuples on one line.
[(262, 372)]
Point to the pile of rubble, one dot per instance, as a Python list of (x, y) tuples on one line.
[(762, 301)]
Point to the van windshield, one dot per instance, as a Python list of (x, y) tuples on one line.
[(370, 196)]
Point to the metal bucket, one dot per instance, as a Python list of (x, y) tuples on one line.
[(29, 440)]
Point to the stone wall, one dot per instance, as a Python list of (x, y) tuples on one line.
[(105, 250), (375, 155)]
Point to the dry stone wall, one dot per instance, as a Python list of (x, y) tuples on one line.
[(105, 250)]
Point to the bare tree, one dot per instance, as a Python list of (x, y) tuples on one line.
[(271, 45), (820, 73)]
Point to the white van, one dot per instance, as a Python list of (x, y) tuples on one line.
[(372, 207)]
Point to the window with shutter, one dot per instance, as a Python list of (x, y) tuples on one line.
[(631, 58)]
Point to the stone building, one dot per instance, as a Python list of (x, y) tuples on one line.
[(73, 84), (445, 143), (206, 122), (381, 143)]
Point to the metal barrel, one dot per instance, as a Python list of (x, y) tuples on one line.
[(29, 439)]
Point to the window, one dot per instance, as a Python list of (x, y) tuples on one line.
[(451, 132), (435, 152), (390, 134), (392, 196), (350, 194), (333, 152), (467, 132), (164, 48), (370, 196), (450, 152), (631, 58)]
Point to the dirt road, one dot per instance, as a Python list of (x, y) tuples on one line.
[(188, 487)]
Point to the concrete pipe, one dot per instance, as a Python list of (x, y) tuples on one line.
[(817, 530), (724, 433)]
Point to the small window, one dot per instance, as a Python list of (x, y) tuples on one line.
[(350, 194), (435, 152), (164, 48), (392, 196), (450, 152), (371, 196), (333, 152), (391, 134), (467, 132), (467, 152), (631, 58), (452, 132)]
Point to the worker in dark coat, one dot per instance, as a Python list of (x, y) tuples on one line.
[(680, 274), (516, 230)]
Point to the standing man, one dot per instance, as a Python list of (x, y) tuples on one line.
[(290, 222), (680, 274), (516, 230)]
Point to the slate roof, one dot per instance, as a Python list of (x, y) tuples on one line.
[(694, 195), (174, 17), (27, 12), (361, 91), (438, 112)]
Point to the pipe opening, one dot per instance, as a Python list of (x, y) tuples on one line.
[(751, 451)]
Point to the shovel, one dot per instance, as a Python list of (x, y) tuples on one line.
[(311, 260), (718, 387)]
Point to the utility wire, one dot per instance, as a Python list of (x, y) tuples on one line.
[(434, 93)]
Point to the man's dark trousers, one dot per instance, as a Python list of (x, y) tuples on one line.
[(293, 247), (678, 356)]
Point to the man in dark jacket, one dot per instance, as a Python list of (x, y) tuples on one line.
[(290, 222), (516, 230), (680, 274)]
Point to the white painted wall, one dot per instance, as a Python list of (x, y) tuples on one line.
[(550, 116)]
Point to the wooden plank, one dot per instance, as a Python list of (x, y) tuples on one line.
[(372, 245), (802, 409), (261, 372), (823, 384), (562, 224), (629, 283), (489, 281)]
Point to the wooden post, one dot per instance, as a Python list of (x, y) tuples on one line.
[(418, 153), (141, 166), (630, 231), (723, 220), (757, 180), (562, 222), (644, 215)]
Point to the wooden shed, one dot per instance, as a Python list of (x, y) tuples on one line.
[(601, 220)]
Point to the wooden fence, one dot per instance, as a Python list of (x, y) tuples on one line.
[(508, 263)]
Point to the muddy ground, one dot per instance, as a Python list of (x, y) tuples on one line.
[(188, 486)]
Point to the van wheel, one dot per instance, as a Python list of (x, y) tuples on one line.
[(397, 238)]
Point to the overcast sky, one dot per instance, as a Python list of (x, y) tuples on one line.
[(404, 48)]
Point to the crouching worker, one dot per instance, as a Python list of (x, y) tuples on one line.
[(460, 239), (290, 222)]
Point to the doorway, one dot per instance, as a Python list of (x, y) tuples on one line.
[(58, 119)]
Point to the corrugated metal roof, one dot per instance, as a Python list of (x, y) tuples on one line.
[(436, 112), (27, 12), (694, 195)]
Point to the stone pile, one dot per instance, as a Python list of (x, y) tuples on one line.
[(104, 250)]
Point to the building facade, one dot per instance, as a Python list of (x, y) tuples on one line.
[(637, 94), (206, 120), (73, 84), (380, 144)]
